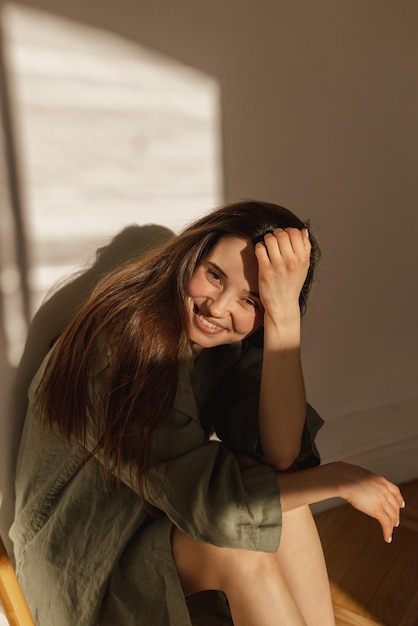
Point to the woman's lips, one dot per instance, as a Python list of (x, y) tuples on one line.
[(206, 324)]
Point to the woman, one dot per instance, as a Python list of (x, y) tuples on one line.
[(125, 504)]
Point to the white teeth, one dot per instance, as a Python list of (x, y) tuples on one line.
[(206, 322)]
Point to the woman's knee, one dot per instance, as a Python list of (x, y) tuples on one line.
[(199, 564), (202, 565)]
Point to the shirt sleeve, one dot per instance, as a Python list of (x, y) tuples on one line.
[(234, 402), (199, 485)]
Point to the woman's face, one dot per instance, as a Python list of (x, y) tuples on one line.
[(223, 302)]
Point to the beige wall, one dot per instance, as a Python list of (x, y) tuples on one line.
[(319, 113)]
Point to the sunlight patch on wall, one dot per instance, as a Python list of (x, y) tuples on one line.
[(110, 133)]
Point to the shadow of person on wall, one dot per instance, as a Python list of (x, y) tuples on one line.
[(48, 322)]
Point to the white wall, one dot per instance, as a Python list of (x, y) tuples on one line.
[(322, 116)]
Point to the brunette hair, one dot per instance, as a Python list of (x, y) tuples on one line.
[(138, 312)]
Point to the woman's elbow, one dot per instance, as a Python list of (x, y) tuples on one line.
[(282, 461)]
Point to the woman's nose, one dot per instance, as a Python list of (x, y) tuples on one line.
[(218, 305)]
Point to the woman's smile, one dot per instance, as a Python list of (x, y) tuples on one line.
[(207, 324)]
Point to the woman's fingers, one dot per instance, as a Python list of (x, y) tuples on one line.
[(389, 518), (288, 245), (377, 497), (388, 510), (395, 503), (388, 523), (283, 260)]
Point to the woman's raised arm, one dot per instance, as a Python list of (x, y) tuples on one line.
[(283, 261)]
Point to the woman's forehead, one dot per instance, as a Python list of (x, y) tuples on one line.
[(235, 256)]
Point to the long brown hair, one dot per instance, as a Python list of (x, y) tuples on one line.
[(139, 311)]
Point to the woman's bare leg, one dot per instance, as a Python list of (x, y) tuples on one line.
[(257, 592), (287, 587), (300, 558)]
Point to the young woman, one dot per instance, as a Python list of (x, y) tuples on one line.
[(125, 503)]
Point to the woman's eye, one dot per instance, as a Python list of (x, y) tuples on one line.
[(252, 303), (214, 275)]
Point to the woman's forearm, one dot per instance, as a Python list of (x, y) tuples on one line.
[(373, 495), (309, 486), (282, 409)]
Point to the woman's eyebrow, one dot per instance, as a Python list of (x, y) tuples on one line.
[(220, 271)]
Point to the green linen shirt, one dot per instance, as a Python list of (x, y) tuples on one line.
[(87, 552)]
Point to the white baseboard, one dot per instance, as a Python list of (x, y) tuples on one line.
[(383, 440)]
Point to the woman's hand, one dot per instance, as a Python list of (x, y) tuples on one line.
[(283, 263), (373, 495)]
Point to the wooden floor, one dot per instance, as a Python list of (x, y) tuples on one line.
[(372, 583)]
